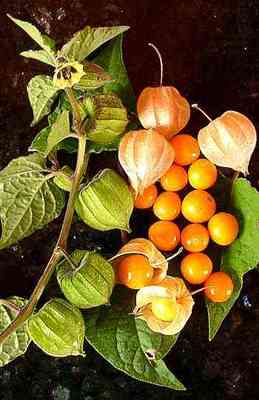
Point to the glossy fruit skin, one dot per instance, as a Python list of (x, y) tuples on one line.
[(186, 149), (147, 198), (167, 206), (175, 179), (223, 228), (196, 268), (163, 109), (202, 174), (219, 287), (195, 238), (134, 271), (165, 235), (198, 206), (164, 309)]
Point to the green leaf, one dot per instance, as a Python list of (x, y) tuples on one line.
[(130, 346), (28, 199), (87, 281), (241, 256), (39, 55), (18, 342), (42, 94), (43, 40), (89, 39), (58, 329), (63, 179), (106, 202), (95, 77), (59, 131), (111, 59)]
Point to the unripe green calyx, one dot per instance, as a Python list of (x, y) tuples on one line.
[(88, 280), (106, 202), (63, 179), (58, 329), (107, 116)]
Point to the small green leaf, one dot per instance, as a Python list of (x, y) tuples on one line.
[(28, 199), (89, 283), (95, 77), (89, 39), (42, 94), (59, 131), (108, 118), (106, 202), (241, 256), (130, 346), (18, 342), (39, 55), (63, 179), (111, 59), (43, 41), (58, 329)]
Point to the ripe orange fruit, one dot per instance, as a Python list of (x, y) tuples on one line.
[(202, 174), (223, 228), (175, 178), (219, 287), (134, 271), (186, 149), (195, 237), (147, 198), (198, 206), (167, 206), (165, 235), (196, 268)]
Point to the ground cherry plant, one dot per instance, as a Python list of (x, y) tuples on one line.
[(130, 307)]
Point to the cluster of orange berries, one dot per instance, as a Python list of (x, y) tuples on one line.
[(198, 206)]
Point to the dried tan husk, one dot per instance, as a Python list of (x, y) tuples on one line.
[(229, 141), (146, 248), (170, 287), (145, 156)]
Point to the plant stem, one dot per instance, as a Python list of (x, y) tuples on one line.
[(233, 180), (10, 305), (82, 158), (160, 61), (75, 107), (202, 111)]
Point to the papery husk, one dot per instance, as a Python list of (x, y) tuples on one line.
[(229, 141), (145, 156), (146, 248), (173, 288)]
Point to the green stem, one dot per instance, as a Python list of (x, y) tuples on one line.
[(233, 180), (26, 312), (75, 107)]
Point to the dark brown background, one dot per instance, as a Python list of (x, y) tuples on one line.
[(210, 54)]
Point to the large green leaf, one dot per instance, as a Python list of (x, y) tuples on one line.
[(43, 41), (130, 346), (28, 198), (41, 93), (18, 342), (111, 59), (89, 39), (39, 55), (241, 256), (59, 131)]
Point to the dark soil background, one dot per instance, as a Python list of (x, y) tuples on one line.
[(210, 54)]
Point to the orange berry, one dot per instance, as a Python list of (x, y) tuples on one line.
[(134, 271), (164, 308), (165, 235), (186, 149), (202, 174), (167, 206), (175, 179), (223, 228), (195, 238), (219, 287), (196, 268), (198, 206), (147, 198)]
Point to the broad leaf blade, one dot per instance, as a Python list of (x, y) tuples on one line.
[(43, 40), (42, 94), (89, 39), (39, 55), (128, 343), (59, 131), (28, 199), (18, 342), (111, 59), (243, 254)]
